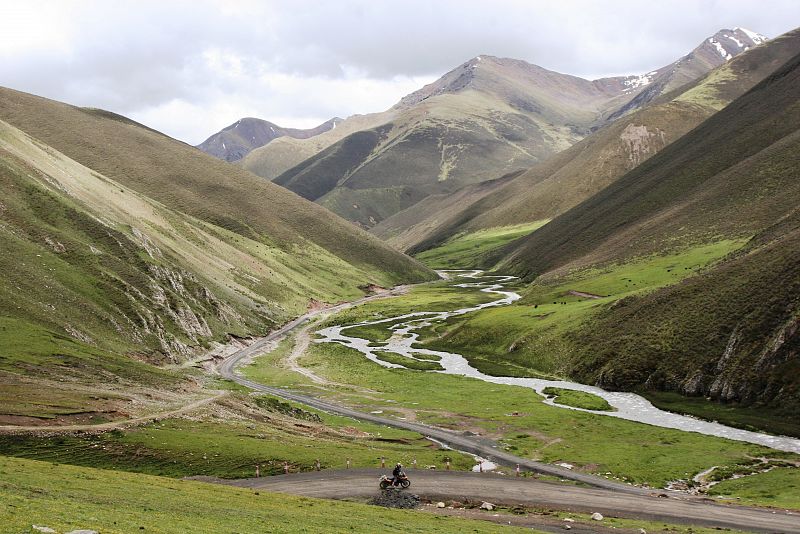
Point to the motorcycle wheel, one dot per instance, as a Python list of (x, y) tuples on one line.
[(384, 484), (405, 483)]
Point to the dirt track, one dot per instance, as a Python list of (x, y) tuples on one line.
[(15, 429), (498, 489)]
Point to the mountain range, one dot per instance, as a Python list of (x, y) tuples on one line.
[(548, 189), (484, 119)]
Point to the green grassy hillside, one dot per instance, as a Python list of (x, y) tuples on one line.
[(731, 333), (575, 174), (66, 498), (105, 276)]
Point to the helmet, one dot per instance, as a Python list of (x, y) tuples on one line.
[(399, 464)]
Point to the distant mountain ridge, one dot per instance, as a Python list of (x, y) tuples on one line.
[(484, 119), (237, 140)]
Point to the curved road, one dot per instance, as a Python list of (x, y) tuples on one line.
[(606, 496), (463, 486)]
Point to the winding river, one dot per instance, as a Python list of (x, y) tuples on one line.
[(628, 405)]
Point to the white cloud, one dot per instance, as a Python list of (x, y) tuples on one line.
[(189, 68)]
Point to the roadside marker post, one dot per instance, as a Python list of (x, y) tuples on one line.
[(348, 463), (318, 465), (258, 471), (383, 462), (480, 467), (447, 464), (414, 463), (286, 468), (517, 469)]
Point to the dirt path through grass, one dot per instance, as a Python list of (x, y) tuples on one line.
[(12, 429)]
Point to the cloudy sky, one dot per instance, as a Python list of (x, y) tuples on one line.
[(189, 68)]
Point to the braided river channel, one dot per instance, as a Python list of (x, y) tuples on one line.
[(627, 405)]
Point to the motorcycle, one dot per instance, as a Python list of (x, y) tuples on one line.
[(387, 482)]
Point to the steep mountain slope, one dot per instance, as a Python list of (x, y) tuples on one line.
[(486, 118), (138, 248), (694, 189), (575, 174), (237, 140), (711, 53)]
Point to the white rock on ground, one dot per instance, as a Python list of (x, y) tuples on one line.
[(597, 516), (487, 506), (46, 530), (82, 531), (440, 505)]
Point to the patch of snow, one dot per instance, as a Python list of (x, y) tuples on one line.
[(273, 129), (721, 49), (334, 125), (634, 82), (757, 38), (238, 123), (478, 58), (735, 40), (223, 146)]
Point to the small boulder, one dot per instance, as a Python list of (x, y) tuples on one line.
[(569, 520), (642, 531), (440, 504), (597, 516), (82, 531), (567, 527), (487, 506), (46, 530)]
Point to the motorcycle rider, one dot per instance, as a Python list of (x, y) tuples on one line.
[(396, 473)]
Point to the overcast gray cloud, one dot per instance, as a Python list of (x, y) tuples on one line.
[(189, 68)]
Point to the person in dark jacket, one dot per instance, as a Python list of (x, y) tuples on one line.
[(398, 470)]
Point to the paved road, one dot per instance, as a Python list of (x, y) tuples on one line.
[(498, 489)]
